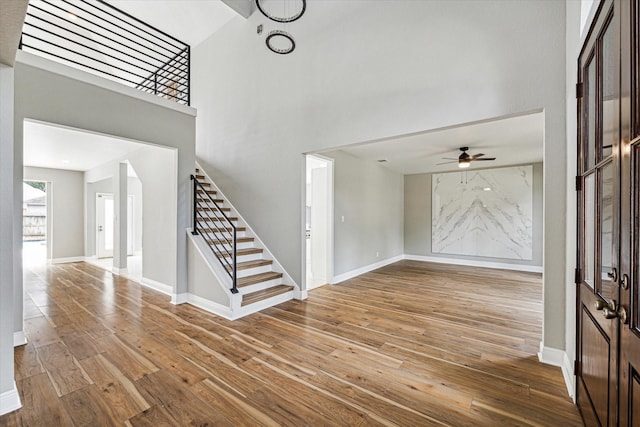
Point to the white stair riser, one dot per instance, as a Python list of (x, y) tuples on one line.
[(264, 304), (261, 286), (216, 236), (249, 257), (254, 270), (210, 219), (240, 245)]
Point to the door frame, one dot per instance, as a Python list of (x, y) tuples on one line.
[(330, 223), (99, 252)]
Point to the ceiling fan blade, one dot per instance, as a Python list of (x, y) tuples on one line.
[(447, 163), (486, 158), (449, 158), (475, 156)]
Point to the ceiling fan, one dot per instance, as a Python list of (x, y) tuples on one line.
[(465, 159)]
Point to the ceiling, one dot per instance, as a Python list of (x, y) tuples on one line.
[(56, 147), (191, 21), (12, 15), (513, 140)]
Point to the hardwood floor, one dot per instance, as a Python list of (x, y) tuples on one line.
[(411, 344)]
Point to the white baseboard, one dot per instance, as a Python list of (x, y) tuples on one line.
[(300, 295), (157, 286), (19, 338), (358, 271), (177, 299), (476, 263), (210, 306), (10, 400), (67, 260), (559, 358), (120, 271)]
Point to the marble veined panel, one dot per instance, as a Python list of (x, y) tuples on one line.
[(484, 213)]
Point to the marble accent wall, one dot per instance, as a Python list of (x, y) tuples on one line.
[(484, 213)]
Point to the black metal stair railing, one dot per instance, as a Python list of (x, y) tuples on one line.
[(104, 40), (217, 229)]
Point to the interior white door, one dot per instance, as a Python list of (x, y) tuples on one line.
[(319, 227), (104, 225)]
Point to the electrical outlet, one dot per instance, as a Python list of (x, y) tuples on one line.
[(342, 218), (377, 254)]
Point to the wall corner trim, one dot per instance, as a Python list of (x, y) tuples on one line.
[(19, 338), (177, 299), (556, 357), (10, 400), (120, 271)]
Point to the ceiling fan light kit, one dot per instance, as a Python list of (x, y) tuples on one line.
[(280, 41), (465, 159)]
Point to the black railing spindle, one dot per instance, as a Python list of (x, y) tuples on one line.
[(217, 229), (104, 40)]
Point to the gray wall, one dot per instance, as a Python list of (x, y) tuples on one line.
[(154, 168), (370, 198), (52, 93), (8, 299), (134, 187), (389, 68), (417, 220), (202, 281), (67, 210)]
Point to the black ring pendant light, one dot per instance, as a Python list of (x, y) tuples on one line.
[(282, 19), (280, 36), (279, 41)]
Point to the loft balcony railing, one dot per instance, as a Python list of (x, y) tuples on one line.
[(104, 40)]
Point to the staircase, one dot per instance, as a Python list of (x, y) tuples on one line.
[(259, 281)]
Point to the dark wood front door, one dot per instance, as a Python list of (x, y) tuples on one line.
[(608, 336), (629, 382)]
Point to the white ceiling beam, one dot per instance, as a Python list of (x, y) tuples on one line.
[(243, 7)]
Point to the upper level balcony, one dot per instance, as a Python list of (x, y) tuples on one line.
[(104, 40)]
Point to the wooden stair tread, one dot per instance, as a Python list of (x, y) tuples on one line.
[(254, 297), (199, 177), (244, 265), (206, 208), (213, 218), (257, 278), (210, 192), (206, 199), (240, 252), (238, 240), (220, 230)]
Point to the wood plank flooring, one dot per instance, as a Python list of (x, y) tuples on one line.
[(411, 344)]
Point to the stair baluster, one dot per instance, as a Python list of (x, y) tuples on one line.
[(218, 224)]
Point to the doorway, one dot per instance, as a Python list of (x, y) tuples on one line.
[(318, 221), (104, 225), (608, 297), (34, 223)]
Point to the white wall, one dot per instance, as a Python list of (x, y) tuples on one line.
[(364, 70), (53, 93), (156, 168), (417, 220), (66, 221), (9, 399), (370, 198)]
